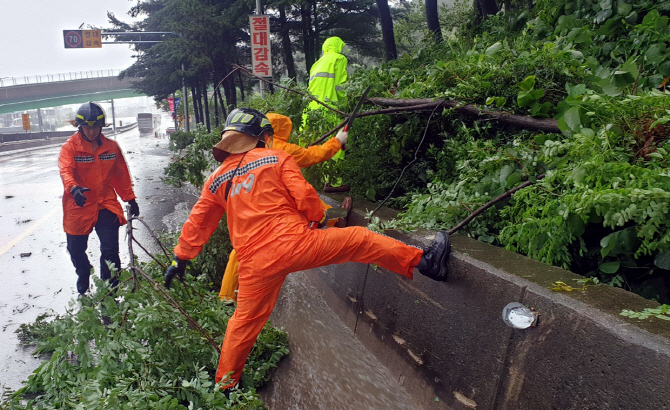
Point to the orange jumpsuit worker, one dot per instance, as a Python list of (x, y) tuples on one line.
[(305, 157), (269, 206), (92, 164)]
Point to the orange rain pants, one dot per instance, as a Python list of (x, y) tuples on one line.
[(269, 207), (260, 282), (305, 157)]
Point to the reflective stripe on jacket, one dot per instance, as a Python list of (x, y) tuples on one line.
[(103, 171), (328, 73), (269, 202), (305, 157)]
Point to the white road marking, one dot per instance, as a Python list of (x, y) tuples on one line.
[(9, 245)]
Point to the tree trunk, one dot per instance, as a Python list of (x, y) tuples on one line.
[(229, 90), (478, 12), (204, 92), (286, 42), (233, 92), (432, 20), (197, 103), (315, 31), (239, 77), (488, 7), (194, 100), (224, 111), (216, 109), (390, 52), (307, 36)]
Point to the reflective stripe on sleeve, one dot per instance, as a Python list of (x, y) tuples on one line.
[(322, 74)]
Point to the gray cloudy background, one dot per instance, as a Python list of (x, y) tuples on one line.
[(31, 36)]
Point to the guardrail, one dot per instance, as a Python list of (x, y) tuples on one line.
[(51, 78)]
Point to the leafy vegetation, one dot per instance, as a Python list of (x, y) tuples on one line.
[(598, 194), (660, 312), (136, 351)]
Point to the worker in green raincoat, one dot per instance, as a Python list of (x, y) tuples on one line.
[(325, 83), (328, 73)]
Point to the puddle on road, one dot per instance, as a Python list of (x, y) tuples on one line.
[(175, 220)]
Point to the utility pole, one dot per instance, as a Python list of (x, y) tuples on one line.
[(261, 84)]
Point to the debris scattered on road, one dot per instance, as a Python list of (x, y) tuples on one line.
[(21, 309), (26, 254)]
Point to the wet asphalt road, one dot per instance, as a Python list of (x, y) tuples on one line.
[(36, 273), (328, 369)]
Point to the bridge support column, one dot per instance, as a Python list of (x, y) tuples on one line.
[(113, 117), (39, 120)]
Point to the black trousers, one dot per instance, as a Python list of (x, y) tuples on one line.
[(107, 229)]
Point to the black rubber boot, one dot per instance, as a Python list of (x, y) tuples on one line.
[(83, 281), (435, 258)]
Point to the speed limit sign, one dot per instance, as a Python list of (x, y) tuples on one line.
[(72, 38)]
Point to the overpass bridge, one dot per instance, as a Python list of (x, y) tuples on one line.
[(30, 93)]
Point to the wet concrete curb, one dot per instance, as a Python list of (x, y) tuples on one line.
[(447, 346)]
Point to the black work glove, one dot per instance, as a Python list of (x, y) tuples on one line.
[(134, 208), (178, 267), (78, 194)]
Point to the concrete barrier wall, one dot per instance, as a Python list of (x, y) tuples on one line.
[(27, 136), (23, 140), (447, 345)]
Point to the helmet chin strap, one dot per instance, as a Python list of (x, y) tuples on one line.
[(83, 135)]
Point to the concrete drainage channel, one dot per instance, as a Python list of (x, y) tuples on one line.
[(446, 345)]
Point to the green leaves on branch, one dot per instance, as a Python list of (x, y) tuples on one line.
[(147, 356), (530, 97)]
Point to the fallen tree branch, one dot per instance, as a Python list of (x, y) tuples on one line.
[(491, 203), (419, 107), (549, 125), (174, 304), (134, 269)]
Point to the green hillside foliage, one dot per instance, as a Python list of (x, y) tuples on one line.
[(598, 200), (598, 68)]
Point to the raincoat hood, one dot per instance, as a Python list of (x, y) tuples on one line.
[(333, 45), (281, 124)]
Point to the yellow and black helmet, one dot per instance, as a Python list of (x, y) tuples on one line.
[(248, 121), (90, 114)]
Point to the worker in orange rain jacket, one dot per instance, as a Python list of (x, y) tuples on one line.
[(269, 207), (91, 164), (305, 157)]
